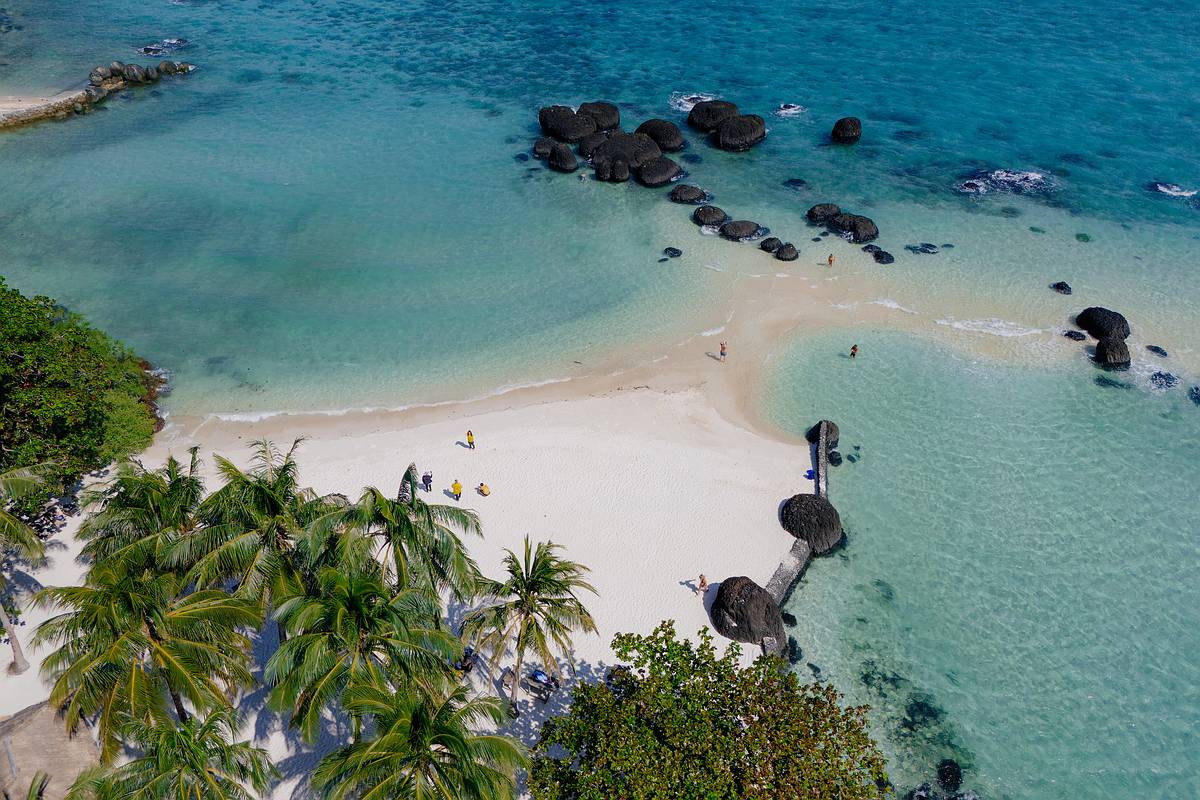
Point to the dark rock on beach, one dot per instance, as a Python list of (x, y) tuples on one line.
[(708, 114), (740, 133), (709, 215), (746, 612), (665, 134), (787, 252), (561, 159), (1075, 336), (814, 519), (770, 244), (1062, 287), (1102, 323), (658, 172), (822, 213), (563, 123), (686, 193), (847, 130), (606, 115), (740, 230), (1158, 351), (1112, 353), (859, 228), (883, 257)]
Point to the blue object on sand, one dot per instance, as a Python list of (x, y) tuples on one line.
[(809, 475)]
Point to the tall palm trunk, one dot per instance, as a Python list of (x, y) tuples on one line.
[(517, 675), (180, 711), (19, 664)]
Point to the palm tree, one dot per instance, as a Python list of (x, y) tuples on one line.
[(129, 641), (16, 535), (251, 526), (145, 514), (423, 539), (423, 747), (353, 629), (196, 760), (37, 787), (537, 604)]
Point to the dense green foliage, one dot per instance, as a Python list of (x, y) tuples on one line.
[(683, 722), (70, 396)]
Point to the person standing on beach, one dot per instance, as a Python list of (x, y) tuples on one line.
[(831, 259), (724, 350), (427, 481), (456, 489), (470, 440), (854, 351)]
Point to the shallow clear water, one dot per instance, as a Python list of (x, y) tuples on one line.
[(329, 212), (1018, 591)]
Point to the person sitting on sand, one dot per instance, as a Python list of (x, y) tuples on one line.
[(427, 481), (483, 489), (702, 586), (456, 489), (470, 440)]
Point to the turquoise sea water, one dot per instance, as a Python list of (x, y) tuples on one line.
[(333, 212), (1018, 591)]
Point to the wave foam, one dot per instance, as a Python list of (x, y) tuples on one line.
[(788, 110), (887, 302), (991, 326), (1006, 181), (685, 102), (1171, 189)]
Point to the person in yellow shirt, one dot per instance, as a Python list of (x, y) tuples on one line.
[(456, 489), (470, 440), (483, 489)]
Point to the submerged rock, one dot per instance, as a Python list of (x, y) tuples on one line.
[(1103, 323), (542, 147), (770, 244), (1075, 336), (665, 134), (561, 159), (686, 193), (1112, 353), (1111, 383), (814, 519), (740, 133), (949, 775), (883, 257), (672, 252), (1194, 395), (708, 114), (1062, 287), (746, 612), (787, 252), (1164, 380), (860, 229), (847, 130), (741, 230), (709, 215), (796, 183), (822, 213), (1158, 351), (658, 172)]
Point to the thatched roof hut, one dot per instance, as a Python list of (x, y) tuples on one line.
[(35, 740), (814, 519)]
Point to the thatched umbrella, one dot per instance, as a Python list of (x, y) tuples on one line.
[(814, 519), (35, 740)]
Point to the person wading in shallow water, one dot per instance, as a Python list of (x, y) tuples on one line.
[(831, 260), (724, 350), (854, 351)]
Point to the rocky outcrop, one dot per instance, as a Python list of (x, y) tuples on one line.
[(589, 144), (708, 114), (709, 215), (787, 252), (746, 612), (1103, 323), (1075, 336), (542, 147), (1164, 380), (860, 229), (1112, 353), (740, 133), (770, 244), (814, 519), (665, 134), (686, 193), (813, 435), (741, 230), (822, 213), (561, 159), (658, 172), (883, 257), (847, 130), (606, 115), (622, 153), (1062, 287), (564, 124)]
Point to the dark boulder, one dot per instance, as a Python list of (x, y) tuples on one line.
[(1102, 323), (1164, 380), (859, 228), (822, 213), (117, 68), (847, 130), (606, 115), (152, 74), (589, 143), (871, 248), (1194, 395), (95, 79), (105, 72), (634, 149), (796, 183), (814, 519), (770, 244), (665, 134), (563, 123), (1062, 287), (561, 159), (883, 257), (672, 252), (831, 433), (1075, 336), (658, 172), (708, 114), (1112, 353), (740, 133), (686, 193), (740, 230), (1158, 351), (949, 775), (709, 215), (614, 170), (787, 252), (835, 458), (746, 612), (166, 67), (542, 147)]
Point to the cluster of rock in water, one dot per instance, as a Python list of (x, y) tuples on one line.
[(617, 156), (104, 80), (1110, 329)]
